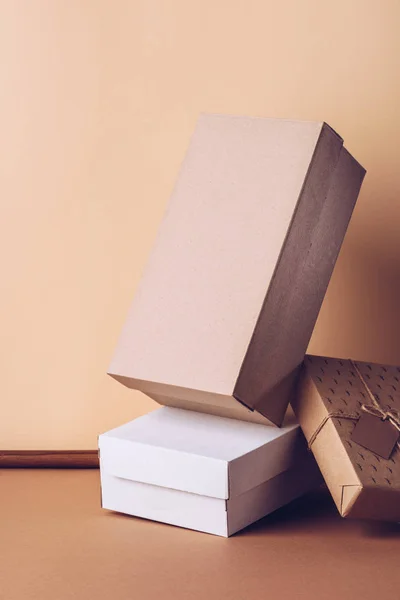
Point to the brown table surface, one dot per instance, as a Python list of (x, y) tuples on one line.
[(57, 543)]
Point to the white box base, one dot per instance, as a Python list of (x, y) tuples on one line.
[(203, 513)]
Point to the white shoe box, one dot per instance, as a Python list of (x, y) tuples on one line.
[(201, 471)]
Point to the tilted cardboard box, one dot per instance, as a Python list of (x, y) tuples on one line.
[(203, 472), (333, 398), (229, 298)]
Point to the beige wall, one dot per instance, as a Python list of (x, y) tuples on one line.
[(97, 103)]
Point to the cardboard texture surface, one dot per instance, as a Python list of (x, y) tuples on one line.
[(203, 472), (232, 289), (362, 483)]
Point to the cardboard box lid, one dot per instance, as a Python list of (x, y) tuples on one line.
[(199, 453), (232, 289)]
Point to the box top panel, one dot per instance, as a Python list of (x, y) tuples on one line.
[(198, 453), (197, 305), (199, 433)]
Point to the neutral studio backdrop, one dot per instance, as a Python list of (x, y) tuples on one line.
[(97, 101)]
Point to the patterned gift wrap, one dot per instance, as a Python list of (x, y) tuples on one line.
[(333, 395)]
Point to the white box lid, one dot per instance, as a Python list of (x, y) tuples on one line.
[(199, 453)]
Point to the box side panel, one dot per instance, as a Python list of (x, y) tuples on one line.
[(301, 278), (332, 458), (163, 467), (207, 402), (376, 503), (273, 494), (164, 505), (236, 411), (204, 285), (264, 463), (307, 404)]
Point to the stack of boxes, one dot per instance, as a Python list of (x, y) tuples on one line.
[(221, 321), (202, 471)]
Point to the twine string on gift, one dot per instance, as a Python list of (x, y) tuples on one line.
[(374, 409), (331, 415)]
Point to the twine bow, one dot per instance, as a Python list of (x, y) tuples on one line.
[(374, 409)]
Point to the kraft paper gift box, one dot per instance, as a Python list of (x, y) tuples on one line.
[(349, 413), (203, 472), (230, 295)]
